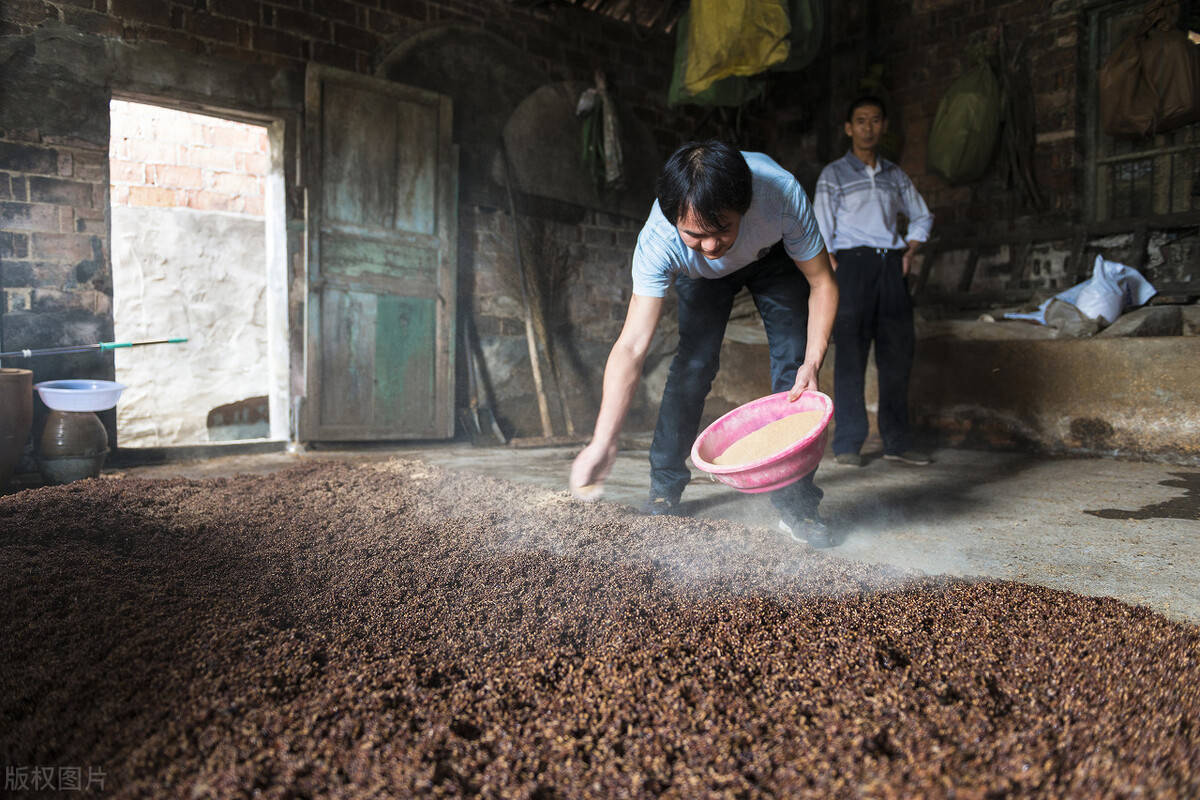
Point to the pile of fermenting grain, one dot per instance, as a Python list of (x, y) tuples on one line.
[(393, 630)]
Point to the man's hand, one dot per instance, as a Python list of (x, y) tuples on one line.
[(590, 468), (907, 259), (806, 381)]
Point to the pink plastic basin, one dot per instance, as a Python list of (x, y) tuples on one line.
[(775, 471)]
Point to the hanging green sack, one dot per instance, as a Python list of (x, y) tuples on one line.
[(966, 127)]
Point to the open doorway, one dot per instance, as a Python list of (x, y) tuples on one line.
[(197, 252)]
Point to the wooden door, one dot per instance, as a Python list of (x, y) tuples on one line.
[(382, 202)]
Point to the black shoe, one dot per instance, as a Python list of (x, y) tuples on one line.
[(812, 530), (662, 507), (849, 459), (913, 457)]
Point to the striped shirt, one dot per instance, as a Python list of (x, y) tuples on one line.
[(858, 207)]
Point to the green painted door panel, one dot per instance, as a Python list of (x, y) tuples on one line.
[(404, 367)]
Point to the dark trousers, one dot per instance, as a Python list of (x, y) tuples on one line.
[(873, 305), (780, 292)]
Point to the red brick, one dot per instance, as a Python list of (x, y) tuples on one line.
[(245, 10), (151, 12), (171, 176), (355, 38), (28, 217), (90, 221), (92, 22), (221, 29), (417, 10), (341, 11), (90, 166), (155, 196), (28, 158), (65, 247), (237, 138), (273, 41), (383, 23), (52, 299), (183, 42), (208, 157), (335, 56), (14, 245), (210, 201), (298, 22), (233, 183), (254, 163), (149, 152), (61, 192), (442, 14)]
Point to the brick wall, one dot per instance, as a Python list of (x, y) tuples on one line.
[(53, 224), (167, 158), (354, 34), (54, 180), (927, 44), (53, 233)]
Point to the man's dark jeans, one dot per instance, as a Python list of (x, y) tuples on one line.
[(780, 292), (874, 305)]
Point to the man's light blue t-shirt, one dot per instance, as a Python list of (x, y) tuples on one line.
[(779, 210)]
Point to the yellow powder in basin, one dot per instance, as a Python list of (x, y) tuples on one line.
[(772, 438)]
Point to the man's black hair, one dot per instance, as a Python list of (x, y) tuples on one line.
[(865, 100), (709, 178)]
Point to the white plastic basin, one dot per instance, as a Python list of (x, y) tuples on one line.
[(79, 395)]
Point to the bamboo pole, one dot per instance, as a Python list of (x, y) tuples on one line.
[(530, 337)]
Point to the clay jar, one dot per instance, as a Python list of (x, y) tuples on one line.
[(16, 418), (74, 445)]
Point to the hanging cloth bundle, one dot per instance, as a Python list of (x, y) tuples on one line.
[(734, 37), (732, 91), (1151, 82), (601, 135)]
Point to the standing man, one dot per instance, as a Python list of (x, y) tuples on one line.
[(723, 220), (858, 200)]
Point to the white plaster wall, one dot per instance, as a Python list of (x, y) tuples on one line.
[(200, 275)]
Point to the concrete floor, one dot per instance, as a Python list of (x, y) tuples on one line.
[(1125, 529)]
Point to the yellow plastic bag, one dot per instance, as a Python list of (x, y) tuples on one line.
[(734, 37)]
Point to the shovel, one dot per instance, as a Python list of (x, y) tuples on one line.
[(479, 422)]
